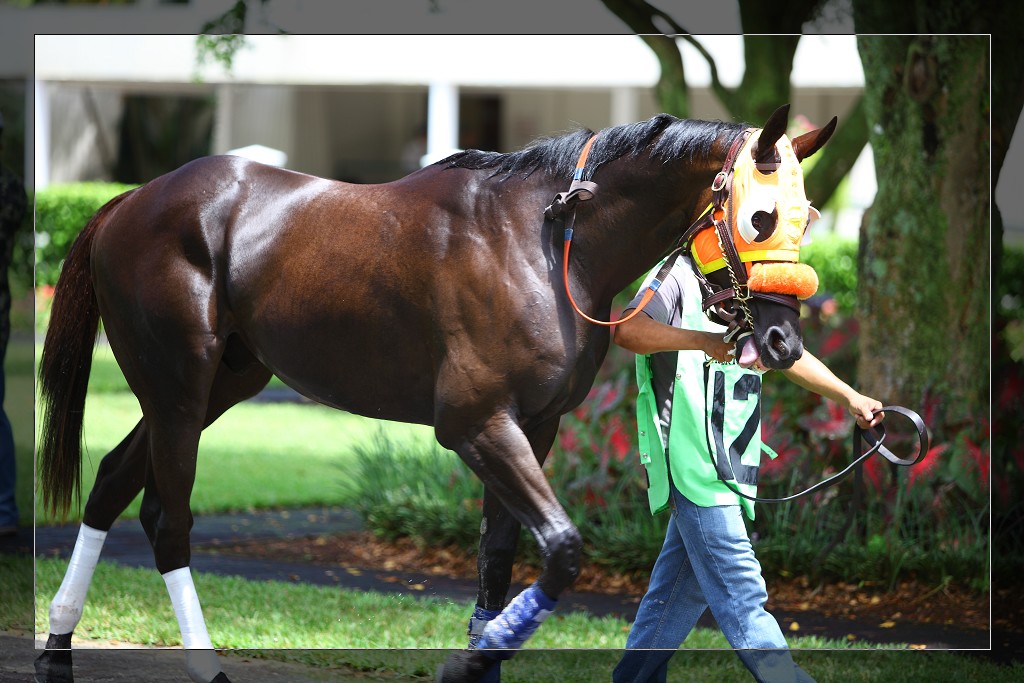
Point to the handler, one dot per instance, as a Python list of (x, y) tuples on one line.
[(707, 559)]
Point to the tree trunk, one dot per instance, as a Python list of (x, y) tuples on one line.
[(924, 251)]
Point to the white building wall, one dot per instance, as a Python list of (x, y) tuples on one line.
[(313, 121), (346, 106)]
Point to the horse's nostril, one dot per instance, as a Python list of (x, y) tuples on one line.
[(776, 342)]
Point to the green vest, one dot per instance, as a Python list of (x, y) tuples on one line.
[(714, 406)]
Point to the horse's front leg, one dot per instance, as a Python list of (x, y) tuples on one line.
[(504, 459), (499, 538)]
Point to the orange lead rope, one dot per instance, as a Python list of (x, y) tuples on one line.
[(651, 289)]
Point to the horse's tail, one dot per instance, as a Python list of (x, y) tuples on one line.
[(64, 370)]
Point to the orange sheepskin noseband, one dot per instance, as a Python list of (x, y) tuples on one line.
[(798, 279)]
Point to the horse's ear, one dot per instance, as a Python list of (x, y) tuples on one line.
[(807, 144), (764, 151)]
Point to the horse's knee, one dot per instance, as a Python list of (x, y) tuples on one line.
[(562, 550)]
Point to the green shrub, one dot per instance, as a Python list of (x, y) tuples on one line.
[(426, 494), (22, 259), (834, 258), (61, 213)]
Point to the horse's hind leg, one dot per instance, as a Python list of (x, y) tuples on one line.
[(175, 425), (501, 455), (239, 376), (119, 478)]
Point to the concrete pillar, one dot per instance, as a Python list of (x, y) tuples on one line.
[(223, 114), (442, 121), (624, 107)]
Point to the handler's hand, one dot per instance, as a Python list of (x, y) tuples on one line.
[(715, 347), (862, 407)]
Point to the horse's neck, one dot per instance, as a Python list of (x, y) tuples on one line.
[(639, 218)]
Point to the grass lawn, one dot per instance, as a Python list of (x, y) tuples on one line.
[(259, 619), (254, 456)]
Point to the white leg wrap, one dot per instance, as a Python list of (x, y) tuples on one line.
[(200, 658), (66, 608)]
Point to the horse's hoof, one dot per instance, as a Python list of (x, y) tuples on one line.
[(469, 666), (54, 665), (221, 678)]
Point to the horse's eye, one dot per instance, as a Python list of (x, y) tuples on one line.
[(757, 225)]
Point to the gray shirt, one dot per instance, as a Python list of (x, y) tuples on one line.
[(665, 307)]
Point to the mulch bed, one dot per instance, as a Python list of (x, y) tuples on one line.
[(909, 601)]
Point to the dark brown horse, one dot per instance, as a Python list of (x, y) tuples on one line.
[(436, 299)]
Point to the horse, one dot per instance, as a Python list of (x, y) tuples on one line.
[(442, 298)]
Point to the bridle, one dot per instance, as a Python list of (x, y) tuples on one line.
[(730, 305)]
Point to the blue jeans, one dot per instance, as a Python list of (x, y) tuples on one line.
[(706, 561), (8, 508)]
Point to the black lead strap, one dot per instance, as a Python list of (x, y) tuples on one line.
[(873, 437)]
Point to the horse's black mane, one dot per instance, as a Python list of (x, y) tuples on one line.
[(666, 136)]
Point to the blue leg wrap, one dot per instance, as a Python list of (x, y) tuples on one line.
[(517, 622), (481, 617), (477, 623)]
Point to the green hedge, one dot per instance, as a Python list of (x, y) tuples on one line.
[(834, 258), (61, 212)]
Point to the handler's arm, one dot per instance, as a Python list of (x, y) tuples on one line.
[(643, 335), (811, 374)]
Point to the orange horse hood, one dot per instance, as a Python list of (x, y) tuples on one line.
[(768, 214)]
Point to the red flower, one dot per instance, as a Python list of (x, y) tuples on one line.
[(873, 470), (1003, 491), (834, 341), (931, 408), (618, 439), (609, 398), (926, 466), (1018, 457), (833, 425), (568, 441), (980, 459), (590, 497), (770, 467)]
